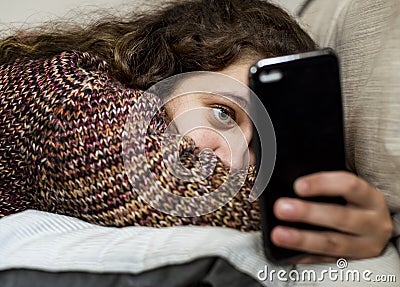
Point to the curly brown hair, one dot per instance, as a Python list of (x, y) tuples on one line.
[(175, 37)]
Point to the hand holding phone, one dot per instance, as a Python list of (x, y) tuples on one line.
[(302, 96)]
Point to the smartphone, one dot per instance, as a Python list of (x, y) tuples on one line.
[(302, 95)]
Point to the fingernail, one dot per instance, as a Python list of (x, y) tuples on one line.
[(286, 208), (301, 186), (285, 236)]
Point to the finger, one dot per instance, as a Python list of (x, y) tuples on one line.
[(332, 244), (315, 259), (338, 183), (346, 219)]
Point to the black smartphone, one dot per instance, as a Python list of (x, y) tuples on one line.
[(302, 95)]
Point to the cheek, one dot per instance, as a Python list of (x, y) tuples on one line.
[(252, 157)]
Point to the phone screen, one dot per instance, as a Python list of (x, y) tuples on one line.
[(302, 96)]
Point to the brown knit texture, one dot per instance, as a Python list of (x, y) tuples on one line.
[(62, 124)]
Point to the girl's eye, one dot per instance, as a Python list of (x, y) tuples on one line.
[(224, 115)]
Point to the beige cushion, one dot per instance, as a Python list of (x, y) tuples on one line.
[(366, 36)]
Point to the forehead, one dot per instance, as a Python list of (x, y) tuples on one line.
[(213, 85), (240, 70)]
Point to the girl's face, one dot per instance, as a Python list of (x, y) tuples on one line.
[(218, 121)]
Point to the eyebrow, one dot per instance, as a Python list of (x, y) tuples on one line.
[(235, 98)]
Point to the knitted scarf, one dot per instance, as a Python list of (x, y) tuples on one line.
[(61, 140)]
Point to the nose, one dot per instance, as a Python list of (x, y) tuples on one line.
[(232, 149)]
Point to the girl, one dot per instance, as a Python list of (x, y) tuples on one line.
[(66, 95)]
